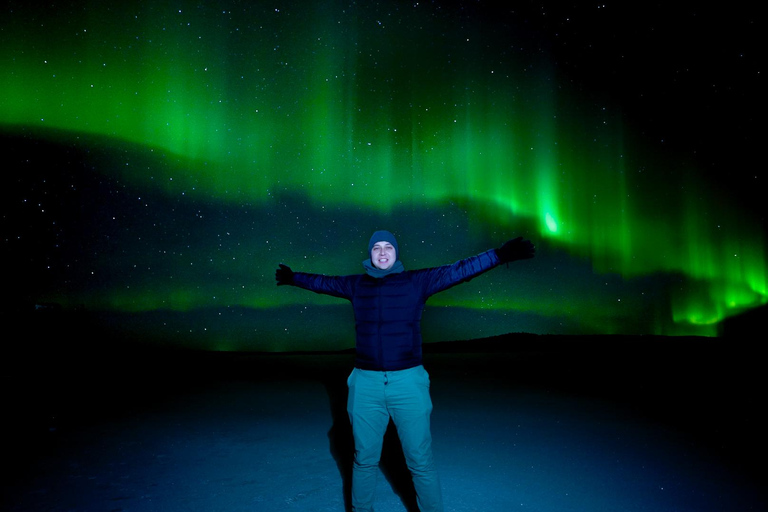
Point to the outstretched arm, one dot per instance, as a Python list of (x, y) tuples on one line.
[(338, 286), (442, 278)]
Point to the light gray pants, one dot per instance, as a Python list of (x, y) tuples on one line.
[(403, 395)]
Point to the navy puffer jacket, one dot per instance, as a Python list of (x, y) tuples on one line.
[(388, 309)]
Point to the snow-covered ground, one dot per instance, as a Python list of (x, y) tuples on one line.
[(632, 427)]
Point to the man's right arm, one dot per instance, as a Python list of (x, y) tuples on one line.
[(337, 286)]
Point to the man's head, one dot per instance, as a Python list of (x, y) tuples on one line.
[(383, 250)]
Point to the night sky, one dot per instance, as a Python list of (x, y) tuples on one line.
[(160, 159)]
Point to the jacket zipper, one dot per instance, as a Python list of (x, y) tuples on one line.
[(381, 317)]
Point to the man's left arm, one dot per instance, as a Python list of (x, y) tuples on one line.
[(442, 278)]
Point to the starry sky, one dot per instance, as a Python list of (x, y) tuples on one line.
[(162, 157)]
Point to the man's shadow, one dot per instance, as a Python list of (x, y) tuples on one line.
[(342, 447)]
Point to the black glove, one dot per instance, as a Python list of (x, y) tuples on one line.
[(284, 275), (517, 249)]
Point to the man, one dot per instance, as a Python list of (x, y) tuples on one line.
[(388, 380)]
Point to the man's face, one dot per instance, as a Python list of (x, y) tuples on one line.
[(383, 255)]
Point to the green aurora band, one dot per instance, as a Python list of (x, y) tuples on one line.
[(333, 104)]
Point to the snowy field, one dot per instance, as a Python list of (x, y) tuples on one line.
[(539, 424)]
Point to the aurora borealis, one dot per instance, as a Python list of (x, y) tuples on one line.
[(165, 157)]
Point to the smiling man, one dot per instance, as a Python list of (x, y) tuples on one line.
[(388, 380), (383, 255)]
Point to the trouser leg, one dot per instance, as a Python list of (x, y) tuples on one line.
[(410, 406), (369, 417)]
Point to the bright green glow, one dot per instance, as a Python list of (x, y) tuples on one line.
[(323, 104), (551, 223)]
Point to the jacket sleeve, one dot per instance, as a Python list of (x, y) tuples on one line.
[(337, 286), (441, 278)]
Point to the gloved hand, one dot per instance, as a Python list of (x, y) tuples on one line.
[(517, 249), (284, 275)]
